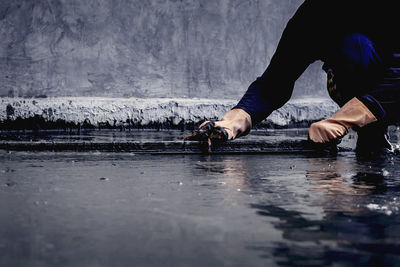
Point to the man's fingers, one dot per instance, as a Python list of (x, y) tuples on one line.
[(208, 132), (329, 147), (207, 126), (219, 134), (204, 123), (203, 133)]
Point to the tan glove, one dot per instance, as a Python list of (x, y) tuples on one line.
[(353, 113), (234, 123)]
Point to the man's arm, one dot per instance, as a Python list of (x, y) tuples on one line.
[(297, 49)]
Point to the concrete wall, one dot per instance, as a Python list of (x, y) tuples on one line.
[(141, 48)]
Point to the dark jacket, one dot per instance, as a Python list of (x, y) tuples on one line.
[(314, 33)]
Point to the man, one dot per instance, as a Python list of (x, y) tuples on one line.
[(359, 44)]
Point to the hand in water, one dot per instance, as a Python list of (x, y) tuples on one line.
[(209, 132)]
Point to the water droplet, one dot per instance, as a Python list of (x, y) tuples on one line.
[(372, 206)]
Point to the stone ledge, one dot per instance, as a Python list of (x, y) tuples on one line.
[(168, 147), (94, 112), (158, 142)]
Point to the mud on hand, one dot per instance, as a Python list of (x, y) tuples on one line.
[(209, 133)]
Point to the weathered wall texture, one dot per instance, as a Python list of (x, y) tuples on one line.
[(148, 113), (141, 48)]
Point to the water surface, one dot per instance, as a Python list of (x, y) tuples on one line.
[(123, 209)]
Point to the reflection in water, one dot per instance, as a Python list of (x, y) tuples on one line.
[(348, 232), (341, 185), (290, 209), (222, 172), (321, 205), (339, 238)]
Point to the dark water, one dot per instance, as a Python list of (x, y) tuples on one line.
[(98, 209)]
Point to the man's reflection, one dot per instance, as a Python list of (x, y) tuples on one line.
[(226, 174), (343, 187), (342, 184)]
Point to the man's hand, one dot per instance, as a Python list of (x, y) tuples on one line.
[(208, 130), (353, 113), (234, 123)]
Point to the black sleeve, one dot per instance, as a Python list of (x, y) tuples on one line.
[(297, 49), (384, 100)]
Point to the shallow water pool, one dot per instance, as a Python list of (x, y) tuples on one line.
[(126, 209)]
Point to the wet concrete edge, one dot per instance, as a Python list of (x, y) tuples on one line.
[(168, 147)]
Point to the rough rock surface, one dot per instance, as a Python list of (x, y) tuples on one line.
[(137, 112)]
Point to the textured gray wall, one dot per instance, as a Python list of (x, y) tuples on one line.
[(141, 48)]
